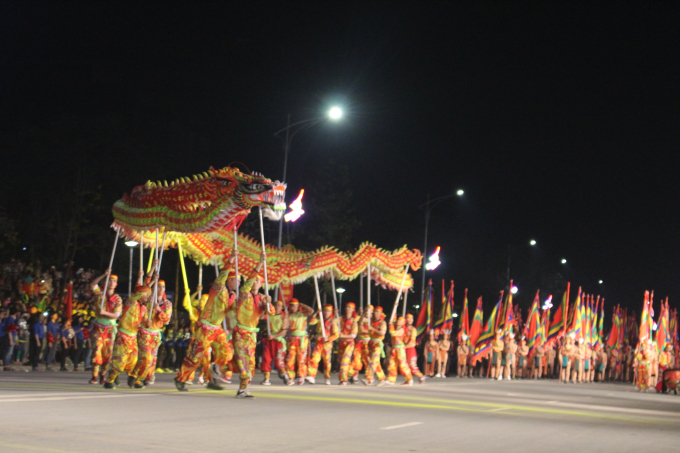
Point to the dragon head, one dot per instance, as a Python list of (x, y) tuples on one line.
[(251, 190)]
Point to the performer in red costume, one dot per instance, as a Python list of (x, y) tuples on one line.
[(376, 351), (297, 341), (324, 345), (398, 355), (104, 330), (410, 336), (275, 344)]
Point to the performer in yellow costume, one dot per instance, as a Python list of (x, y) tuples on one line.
[(209, 330), (348, 331), (275, 345), (149, 338), (397, 361), (104, 330), (376, 351), (297, 341), (250, 309), (324, 345), (360, 359), (125, 347)]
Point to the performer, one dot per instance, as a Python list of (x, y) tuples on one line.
[(510, 350), (377, 330), (443, 354), (522, 362), (250, 309), (539, 353), (665, 362), (348, 332), (104, 330), (194, 307), (614, 363), (642, 363), (149, 339), (397, 361), (579, 355), (297, 341), (324, 345), (275, 345), (588, 369), (125, 346), (600, 362), (550, 354), (431, 351), (462, 351), (360, 357), (566, 352), (497, 346), (208, 330), (410, 337)]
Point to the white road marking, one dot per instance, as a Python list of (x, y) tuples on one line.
[(62, 398), (27, 395), (513, 394), (405, 425), (498, 409)]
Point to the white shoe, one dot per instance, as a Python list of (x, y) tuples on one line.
[(201, 380), (384, 382), (438, 375), (500, 378), (301, 381), (310, 379), (407, 384), (189, 382), (342, 383), (244, 394), (266, 382), (367, 382), (328, 382), (354, 379), (509, 378)]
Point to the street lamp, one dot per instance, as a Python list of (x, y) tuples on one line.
[(564, 261), (340, 291), (335, 113), (132, 245), (600, 282), (532, 242), (428, 208)]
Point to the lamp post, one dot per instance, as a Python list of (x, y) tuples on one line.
[(428, 208), (340, 291), (131, 245), (334, 114)]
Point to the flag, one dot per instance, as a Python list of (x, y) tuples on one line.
[(600, 327), (662, 334), (425, 315), (483, 345), (595, 340), (508, 313), (533, 325), (576, 318), (557, 329), (445, 321), (477, 324), (613, 338), (464, 320), (645, 326)]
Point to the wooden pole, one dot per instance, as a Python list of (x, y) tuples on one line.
[(200, 280), (158, 272), (361, 293), (368, 284), (174, 310), (401, 288), (335, 298), (403, 312), (106, 283), (141, 253), (318, 301), (266, 282)]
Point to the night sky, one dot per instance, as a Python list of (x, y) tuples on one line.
[(561, 123)]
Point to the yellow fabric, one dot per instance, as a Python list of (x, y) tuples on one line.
[(298, 322)]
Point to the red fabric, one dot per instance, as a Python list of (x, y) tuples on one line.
[(68, 301)]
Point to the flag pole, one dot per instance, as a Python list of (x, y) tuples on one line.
[(401, 288), (108, 274)]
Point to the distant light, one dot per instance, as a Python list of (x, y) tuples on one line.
[(600, 282), (45, 314), (654, 326), (340, 290), (296, 207), (131, 243), (532, 242), (455, 315), (564, 261), (24, 248), (335, 113), (433, 261), (460, 192), (514, 290), (416, 306)]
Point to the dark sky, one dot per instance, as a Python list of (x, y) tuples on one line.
[(561, 123)]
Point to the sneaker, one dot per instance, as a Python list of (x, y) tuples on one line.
[(384, 383), (287, 380), (438, 375), (94, 380), (242, 394), (301, 381), (342, 383), (189, 382), (367, 382), (407, 384), (109, 385), (282, 375), (214, 386), (179, 385), (328, 382), (266, 382), (151, 381), (499, 378), (102, 380), (422, 379), (310, 379), (354, 379), (139, 385), (509, 378), (290, 381), (200, 380), (216, 372), (224, 380)]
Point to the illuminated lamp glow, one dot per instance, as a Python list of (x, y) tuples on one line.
[(296, 208), (433, 261), (131, 243), (514, 290), (335, 113)]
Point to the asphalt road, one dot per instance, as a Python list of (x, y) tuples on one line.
[(60, 412)]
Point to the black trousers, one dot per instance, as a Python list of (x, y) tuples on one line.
[(34, 351)]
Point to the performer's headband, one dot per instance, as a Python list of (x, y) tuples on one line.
[(328, 307), (161, 282), (293, 302), (113, 277), (351, 305), (409, 315)]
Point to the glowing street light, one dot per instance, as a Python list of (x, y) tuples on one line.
[(455, 315), (564, 261), (340, 290), (514, 289), (433, 260), (460, 192), (335, 113), (532, 242), (296, 208), (600, 282), (132, 245)]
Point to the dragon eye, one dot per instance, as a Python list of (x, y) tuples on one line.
[(224, 182)]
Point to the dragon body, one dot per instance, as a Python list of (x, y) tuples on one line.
[(212, 201)]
